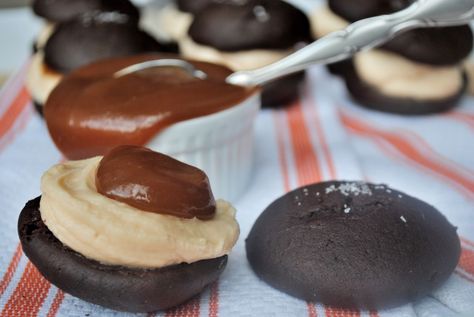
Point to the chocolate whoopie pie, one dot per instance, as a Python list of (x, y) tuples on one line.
[(112, 286), (433, 46), (235, 27), (182, 245), (417, 72), (353, 245)]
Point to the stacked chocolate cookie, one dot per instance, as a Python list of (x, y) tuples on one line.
[(418, 72), (246, 35), (95, 236)]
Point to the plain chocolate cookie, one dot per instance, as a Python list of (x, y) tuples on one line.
[(115, 287), (257, 24), (369, 97), (63, 10), (434, 46), (95, 36), (353, 245)]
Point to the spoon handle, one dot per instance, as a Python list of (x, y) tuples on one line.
[(362, 35)]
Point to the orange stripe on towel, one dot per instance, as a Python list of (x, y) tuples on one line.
[(337, 312), (312, 310), (306, 160), (214, 300), (29, 294), (409, 151), (322, 140), (279, 125), (8, 119), (57, 301), (466, 261), (467, 242), (7, 277)]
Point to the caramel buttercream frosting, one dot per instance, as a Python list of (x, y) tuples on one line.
[(113, 231)]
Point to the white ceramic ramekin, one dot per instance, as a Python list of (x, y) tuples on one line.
[(221, 144)]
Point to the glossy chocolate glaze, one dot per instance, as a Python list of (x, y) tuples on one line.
[(155, 182), (91, 112)]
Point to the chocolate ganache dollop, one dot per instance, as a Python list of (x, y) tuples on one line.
[(92, 111), (155, 182)]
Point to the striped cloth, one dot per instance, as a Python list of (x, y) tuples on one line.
[(323, 136)]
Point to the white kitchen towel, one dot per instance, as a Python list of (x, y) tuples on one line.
[(323, 136)]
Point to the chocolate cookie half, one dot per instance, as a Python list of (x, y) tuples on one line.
[(356, 10), (64, 10), (369, 97), (435, 46), (353, 245), (96, 36), (116, 287), (256, 24), (193, 6)]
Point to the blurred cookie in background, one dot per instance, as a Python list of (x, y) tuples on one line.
[(418, 72)]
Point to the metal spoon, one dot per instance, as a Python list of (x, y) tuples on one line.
[(340, 45), (166, 62)]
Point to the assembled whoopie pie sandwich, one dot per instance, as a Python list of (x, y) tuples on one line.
[(249, 34), (417, 72), (353, 245), (134, 230)]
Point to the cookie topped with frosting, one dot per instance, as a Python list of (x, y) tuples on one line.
[(134, 230)]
